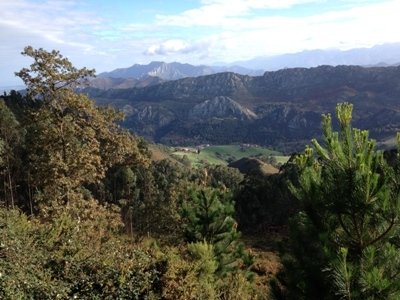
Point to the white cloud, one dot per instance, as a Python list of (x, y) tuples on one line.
[(259, 4), (244, 35), (52, 24), (175, 46), (217, 30), (168, 47), (56, 21), (222, 12)]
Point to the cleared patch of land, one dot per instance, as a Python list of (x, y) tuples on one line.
[(224, 154)]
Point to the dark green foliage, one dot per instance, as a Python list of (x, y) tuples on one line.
[(223, 176), (210, 212), (20, 105), (172, 184), (344, 241), (165, 188), (12, 138), (16, 118), (150, 196), (265, 201), (209, 215)]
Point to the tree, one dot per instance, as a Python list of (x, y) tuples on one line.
[(1, 152), (11, 137), (209, 215), (344, 242), (151, 197), (220, 175), (72, 142), (50, 73), (265, 202)]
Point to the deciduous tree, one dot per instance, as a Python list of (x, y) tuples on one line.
[(71, 141)]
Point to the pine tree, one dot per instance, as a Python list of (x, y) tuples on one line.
[(209, 215), (344, 241), (50, 74)]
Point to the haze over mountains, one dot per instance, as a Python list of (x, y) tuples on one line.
[(380, 55)]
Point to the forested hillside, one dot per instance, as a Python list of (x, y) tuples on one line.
[(86, 213)]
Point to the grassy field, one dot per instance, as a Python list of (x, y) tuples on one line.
[(223, 154)]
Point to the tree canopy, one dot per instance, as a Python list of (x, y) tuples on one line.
[(49, 73), (78, 194), (72, 142), (344, 241)]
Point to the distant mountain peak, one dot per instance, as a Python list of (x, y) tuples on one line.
[(172, 71)]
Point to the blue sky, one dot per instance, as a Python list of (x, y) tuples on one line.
[(105, 34)]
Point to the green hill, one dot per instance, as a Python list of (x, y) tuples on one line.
[(224, 154)]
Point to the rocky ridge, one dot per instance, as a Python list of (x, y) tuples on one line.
[(173, 71), (281, 109), (221, 107)]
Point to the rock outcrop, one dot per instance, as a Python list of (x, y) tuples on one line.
[(173, 71), (281, 108), (221, 108)]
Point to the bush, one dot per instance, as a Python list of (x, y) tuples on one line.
[(73, 258)]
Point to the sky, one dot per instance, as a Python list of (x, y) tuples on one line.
[(109, 34)]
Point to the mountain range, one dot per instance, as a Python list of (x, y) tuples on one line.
[(156, 72), (379, 55), (173, 71), (281, 108)]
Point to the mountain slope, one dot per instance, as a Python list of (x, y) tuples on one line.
[(106, 83), (220, 107), (283, 108)]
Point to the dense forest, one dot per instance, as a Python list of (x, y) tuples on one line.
[(87, 214)]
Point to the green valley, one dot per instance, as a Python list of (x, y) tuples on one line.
[(224, 154)]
